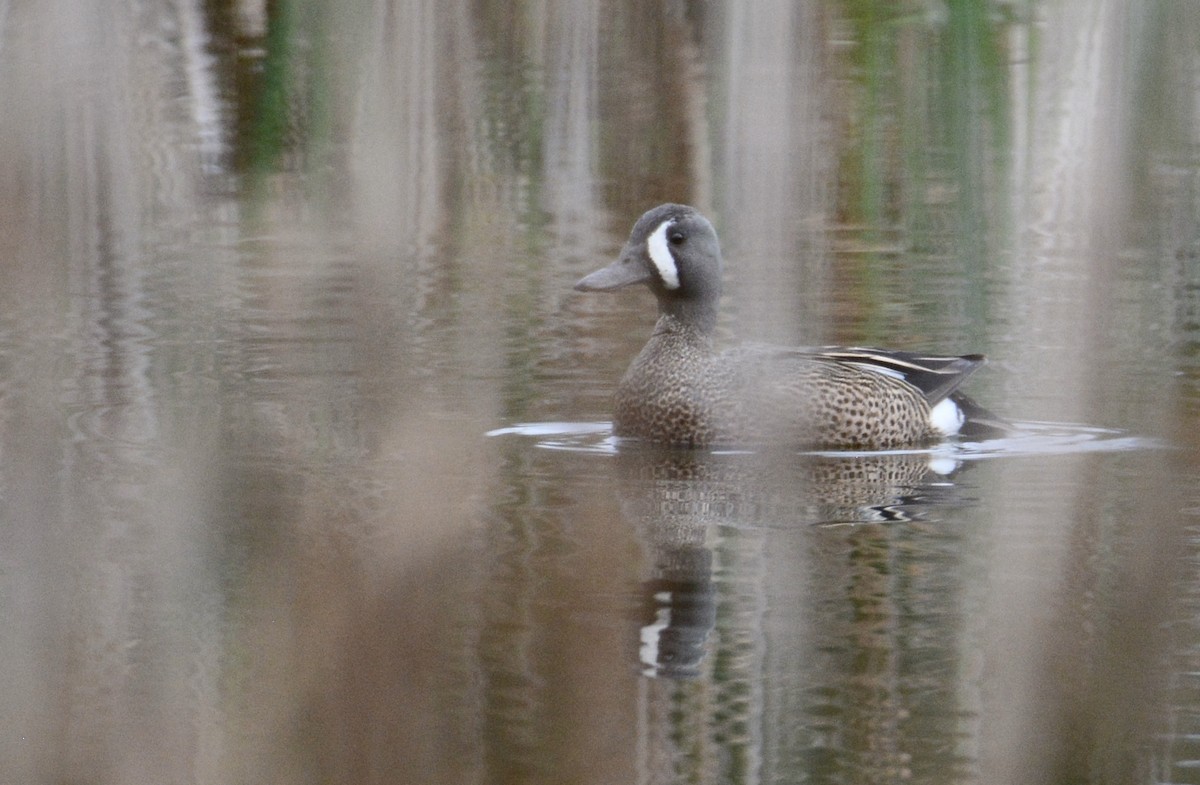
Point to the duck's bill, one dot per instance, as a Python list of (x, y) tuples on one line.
[(626, 271)]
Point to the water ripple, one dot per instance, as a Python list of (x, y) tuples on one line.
[(1025, 439)]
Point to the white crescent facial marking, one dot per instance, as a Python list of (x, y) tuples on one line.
[(660, 254)]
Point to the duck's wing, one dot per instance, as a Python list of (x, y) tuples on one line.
[(936, 376)]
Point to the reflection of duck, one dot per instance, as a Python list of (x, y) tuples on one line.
[(680, 391), (681, 492), (675, 498), (681, 612)]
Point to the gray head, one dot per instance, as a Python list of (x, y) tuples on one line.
[(674, 250)]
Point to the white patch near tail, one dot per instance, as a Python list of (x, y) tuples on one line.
[(660, 254), (947, 417)]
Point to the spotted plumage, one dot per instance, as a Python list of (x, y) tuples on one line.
[(679, 390)]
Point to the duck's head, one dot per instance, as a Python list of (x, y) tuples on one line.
[(674, 250)]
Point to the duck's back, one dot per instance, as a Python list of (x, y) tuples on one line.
[(813, 400)]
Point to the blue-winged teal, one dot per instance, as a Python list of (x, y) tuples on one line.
[(681, 391)]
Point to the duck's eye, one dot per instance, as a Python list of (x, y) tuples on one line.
[(676, 238)]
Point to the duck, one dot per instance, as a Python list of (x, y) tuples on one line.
[(680, 390)]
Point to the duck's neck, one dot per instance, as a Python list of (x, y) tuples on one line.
[(699, 316)]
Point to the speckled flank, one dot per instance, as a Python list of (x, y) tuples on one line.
[(679, 391)]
